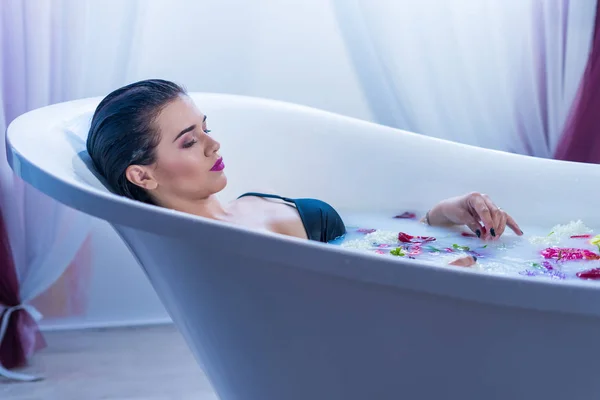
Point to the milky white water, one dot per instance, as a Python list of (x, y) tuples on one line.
[(508, 255)]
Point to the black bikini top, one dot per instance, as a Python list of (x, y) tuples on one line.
[(321, 222)]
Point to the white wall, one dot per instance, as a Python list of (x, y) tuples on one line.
[(288, 50)]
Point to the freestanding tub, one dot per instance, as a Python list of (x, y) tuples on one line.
[(273, 317)]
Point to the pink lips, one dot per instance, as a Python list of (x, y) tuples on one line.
[(219, 165)]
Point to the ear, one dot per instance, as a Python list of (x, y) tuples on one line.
[(140, 175)]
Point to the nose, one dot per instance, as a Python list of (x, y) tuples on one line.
[(213, 146)]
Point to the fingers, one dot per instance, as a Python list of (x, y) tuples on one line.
[(466, 261), (481, 211), (494, 219), (501, 219), (497, 217), (501, 226), (476, 227), (513, 225)]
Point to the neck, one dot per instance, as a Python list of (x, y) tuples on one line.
[(209, 207)]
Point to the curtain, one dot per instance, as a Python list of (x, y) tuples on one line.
[(22, 338), (500, 74), (52, 51), (580, 141)]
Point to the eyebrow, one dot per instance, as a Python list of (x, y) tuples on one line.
[(186, 130), (183, 132)]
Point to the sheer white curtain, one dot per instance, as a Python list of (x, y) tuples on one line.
[(500, 74), (52, 51), (207, 45)]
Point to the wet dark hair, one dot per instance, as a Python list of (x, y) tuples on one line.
[(122, 132)]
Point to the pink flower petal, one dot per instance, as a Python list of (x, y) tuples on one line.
[(407, 215), (547, 265), (365, 230), (568, 254)]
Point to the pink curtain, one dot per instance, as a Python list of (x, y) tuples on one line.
[(580, 140), (22, 336)]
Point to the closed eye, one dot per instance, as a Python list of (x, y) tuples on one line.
[(189, 144)]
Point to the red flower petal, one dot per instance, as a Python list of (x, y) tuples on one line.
[(593, 273), (406, 238)]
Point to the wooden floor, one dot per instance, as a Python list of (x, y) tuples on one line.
[(151, 363)]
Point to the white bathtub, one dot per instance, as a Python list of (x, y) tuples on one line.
[(273, 317)]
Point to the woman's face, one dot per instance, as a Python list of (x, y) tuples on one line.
[(188, 166)]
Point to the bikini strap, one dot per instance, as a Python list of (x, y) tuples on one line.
[(269, 196)]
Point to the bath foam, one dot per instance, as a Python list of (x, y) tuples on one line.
[(379, 236), (559, 232)]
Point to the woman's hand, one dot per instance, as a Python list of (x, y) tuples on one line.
[(475, 210)]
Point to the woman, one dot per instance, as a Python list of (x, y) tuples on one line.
[(151, 143)]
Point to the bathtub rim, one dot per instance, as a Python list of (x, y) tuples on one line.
[(422, 274)]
